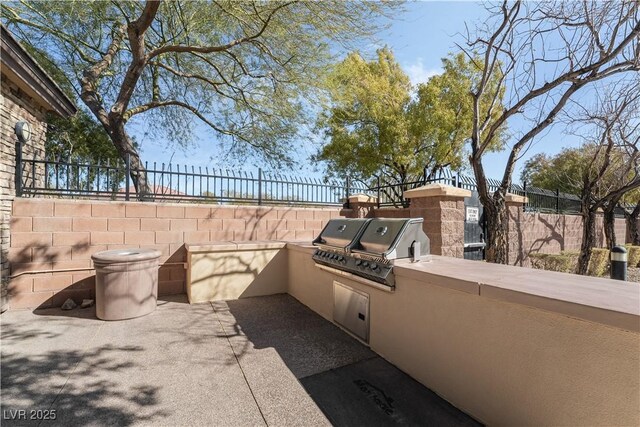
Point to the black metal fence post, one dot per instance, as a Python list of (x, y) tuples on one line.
[(347, 183), (524, 190), (259, 186), (18, 177), (378, 179), (127, 167), (557, 200)]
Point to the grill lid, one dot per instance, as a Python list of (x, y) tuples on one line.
[(341, 233), (392, 238)]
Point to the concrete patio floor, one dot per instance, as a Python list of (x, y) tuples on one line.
[(255, 361)]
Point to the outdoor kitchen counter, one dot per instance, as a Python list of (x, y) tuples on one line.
[(508, 345), (610, 302)]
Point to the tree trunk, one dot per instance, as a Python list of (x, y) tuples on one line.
[(497, 231), (632, 225), (496, 214), (610, 225), (588, 240), (125, 147)]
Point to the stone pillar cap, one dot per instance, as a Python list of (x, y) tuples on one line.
[(437, 189), (515, 198), (362, 198)]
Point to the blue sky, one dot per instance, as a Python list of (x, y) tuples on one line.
[(420, 37)]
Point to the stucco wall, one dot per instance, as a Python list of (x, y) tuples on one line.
[(503, 363), (15, 106), (60, 234)]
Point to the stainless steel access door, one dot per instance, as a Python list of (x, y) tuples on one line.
[(351, 310)]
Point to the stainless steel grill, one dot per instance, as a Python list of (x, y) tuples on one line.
[(368, 248)]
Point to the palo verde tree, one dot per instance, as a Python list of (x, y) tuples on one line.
[(544, 53), (379, 126), (240, 67)]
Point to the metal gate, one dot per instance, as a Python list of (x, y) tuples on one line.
[(474, 228)]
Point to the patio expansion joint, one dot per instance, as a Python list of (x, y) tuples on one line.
[(244, 376), (80, 359)]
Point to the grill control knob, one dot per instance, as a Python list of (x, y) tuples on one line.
[(365, 263), (358, 262), (374, 266)]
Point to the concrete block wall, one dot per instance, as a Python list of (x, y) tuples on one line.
[(550, 233), (48, 234)]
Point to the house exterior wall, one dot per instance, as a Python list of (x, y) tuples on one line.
[(16, 106)]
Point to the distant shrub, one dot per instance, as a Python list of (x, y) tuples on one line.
[(633, 256), (564, 262), (599, 263)]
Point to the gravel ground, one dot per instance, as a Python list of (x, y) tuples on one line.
[(633, 274)]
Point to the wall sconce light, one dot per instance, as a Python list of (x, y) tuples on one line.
[(23, 130)]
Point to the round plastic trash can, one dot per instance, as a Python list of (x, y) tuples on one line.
[(126, 283)]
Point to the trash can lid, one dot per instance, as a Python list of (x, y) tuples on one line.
[(125, 255)]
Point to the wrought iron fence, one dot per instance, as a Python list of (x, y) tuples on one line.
[(167, 182), (177, 183)]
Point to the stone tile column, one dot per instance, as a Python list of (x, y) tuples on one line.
[(516, 252), (360, 206), (442, 207)]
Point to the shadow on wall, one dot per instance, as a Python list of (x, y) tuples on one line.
[(538, 244), (239, 274), (104, 400)]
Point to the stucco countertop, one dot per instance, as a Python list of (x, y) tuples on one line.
[(611, 302)]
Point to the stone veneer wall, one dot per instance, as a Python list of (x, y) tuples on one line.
[(15, 106), (49, 234)]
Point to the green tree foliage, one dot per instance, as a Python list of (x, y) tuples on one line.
[(243, 68), (567, 171), (79, 138), (379, 125)]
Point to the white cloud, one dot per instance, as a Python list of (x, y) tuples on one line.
[(418, 73)]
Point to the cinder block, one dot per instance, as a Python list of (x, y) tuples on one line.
[(169, 237), (196, 236), (107, 237), (21, 224), (170, 212), (184, 225), (233, 224), (210, 224), (140, 237), (123, 224), (154, 224), (85, 252), (21, 284), (51, 282), (32, 207), (295, 224), (199, 212), (89, 224), (220, 235), (30, 239), (72, 209), (140, 210), (223, 212), (108, 210), (52, 224), (304, 214), (73, 238)]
